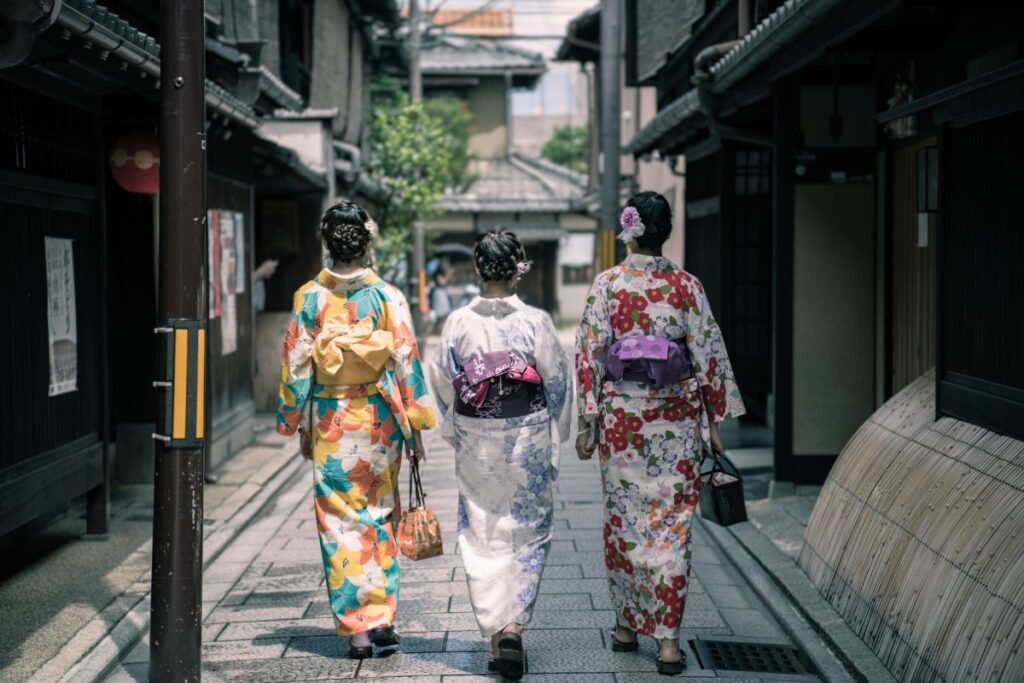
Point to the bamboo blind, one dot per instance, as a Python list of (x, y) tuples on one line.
[(917, 540)]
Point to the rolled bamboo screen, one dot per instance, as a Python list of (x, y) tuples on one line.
[(917, 539)]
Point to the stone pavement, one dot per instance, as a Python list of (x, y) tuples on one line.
[(267, 616), (71, 605)]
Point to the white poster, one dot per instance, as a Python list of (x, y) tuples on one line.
[(228, 280), (213, 261), (61, 315)]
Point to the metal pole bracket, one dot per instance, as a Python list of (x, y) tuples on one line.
[(184, 387)]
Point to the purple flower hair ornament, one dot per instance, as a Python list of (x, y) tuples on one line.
[(632, 226), (522, 268)]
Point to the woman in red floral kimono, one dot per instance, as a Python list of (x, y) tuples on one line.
[(654, 382)]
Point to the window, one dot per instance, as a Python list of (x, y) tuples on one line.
[(577, 275), (753, 172)]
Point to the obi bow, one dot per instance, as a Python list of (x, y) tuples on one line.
[(340, 341), (647, 358), (473, 383)]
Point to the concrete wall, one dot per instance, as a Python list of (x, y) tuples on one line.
[(488, 103), (329, 77), (833, 314), (916, 541)]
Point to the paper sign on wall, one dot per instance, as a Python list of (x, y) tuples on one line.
[(61, 315), (228, 280)]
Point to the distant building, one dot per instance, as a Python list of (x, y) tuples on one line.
[(538, 200)]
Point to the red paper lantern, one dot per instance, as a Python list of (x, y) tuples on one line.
[(135, 163)]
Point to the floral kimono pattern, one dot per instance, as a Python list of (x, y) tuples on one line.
[(504, 466), (350, 348), (652, 440)]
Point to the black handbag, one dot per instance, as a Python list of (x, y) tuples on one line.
[(721, 495)]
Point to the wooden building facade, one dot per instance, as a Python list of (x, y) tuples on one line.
[(78, 109), (880, 196)]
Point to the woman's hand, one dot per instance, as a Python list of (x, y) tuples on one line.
[(717, 447), (415, 450), (586, 438)]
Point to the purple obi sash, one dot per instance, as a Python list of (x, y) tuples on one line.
[(649, 359), (498, 384)]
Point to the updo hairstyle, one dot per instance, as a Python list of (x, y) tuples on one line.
[(344, 231), (497, 255), (656, 215)]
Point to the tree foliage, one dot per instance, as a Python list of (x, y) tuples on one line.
[(569, 146), (417, 150)]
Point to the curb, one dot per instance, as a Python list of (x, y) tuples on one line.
[(125, 634), (788, 578), (827, 663)]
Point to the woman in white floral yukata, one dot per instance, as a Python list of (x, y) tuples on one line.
[(502, 382), (654, 382)]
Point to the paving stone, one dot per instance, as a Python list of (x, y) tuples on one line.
[(750, 621), (563, 571), (226, 571), (277, 629), (417, 575), (263, 648), (702, 618), (427, 663), (411, 623), (425, 590), (551, 601), (573, 585), (573, 619), (337, 646), (287, 669), (739, 597), (295, 568), (580, 660), (241, 613), (215, 591)]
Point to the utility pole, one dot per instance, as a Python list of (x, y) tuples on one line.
[(611, 103), (174, 653), (419, 255)]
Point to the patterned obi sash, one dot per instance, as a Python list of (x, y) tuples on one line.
[(649, 359), (498, 384)]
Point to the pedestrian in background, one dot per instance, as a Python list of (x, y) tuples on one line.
[(350, 349), (440, 301), (503, 382), (654, 382)]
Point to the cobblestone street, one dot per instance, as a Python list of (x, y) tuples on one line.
[(267, 617)]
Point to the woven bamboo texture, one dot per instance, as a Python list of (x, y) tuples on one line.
[(917, 539)]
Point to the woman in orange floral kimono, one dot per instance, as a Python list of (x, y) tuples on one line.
[(652, 422), (351, 347)]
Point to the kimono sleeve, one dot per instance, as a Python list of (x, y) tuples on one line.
[(553, 368), (592, 341), (297, 362), (407, 365), (443, 368), (710, 361)]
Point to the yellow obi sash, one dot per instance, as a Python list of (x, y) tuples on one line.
[(347, 354), (354, 361)]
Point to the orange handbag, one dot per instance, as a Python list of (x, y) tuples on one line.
[(419, 532)]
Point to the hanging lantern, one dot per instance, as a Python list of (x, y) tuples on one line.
[(135, 163)]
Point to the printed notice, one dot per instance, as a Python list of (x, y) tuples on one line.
[(61, 315)]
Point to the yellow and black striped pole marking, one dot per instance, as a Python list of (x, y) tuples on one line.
[(184, 414)]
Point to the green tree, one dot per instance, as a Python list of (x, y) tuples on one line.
[(417, 150), (569, 146)]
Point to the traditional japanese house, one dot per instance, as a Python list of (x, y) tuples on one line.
[(538, 200), (78, 175)]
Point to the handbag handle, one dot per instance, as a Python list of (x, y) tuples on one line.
[(718, 467), (417, 498)]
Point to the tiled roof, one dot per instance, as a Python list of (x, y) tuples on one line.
[(517, 184), (458, 55), (777, 29), (107, 30), (492, 22)]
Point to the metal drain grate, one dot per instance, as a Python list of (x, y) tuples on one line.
[(758, 657)]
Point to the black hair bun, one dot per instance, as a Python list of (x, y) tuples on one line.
[(344, 231), (656, 214), (497, 255)]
